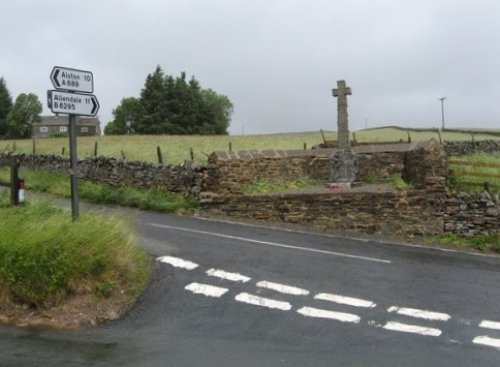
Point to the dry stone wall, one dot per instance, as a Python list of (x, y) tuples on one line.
[(228, 172), (471, 146), (184, 178), (395, 212), (472, 214)]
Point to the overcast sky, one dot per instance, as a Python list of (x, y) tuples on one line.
[(277, 60)]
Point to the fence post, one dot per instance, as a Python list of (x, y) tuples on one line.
[(14, 177), (440, 138), (305, 146), (230, 146), (160, 156), (34, 146), (95, 149), (191, 153)]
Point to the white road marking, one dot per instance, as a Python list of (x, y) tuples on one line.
[(356, 302), (486, 340), (234, 277), (324, 314), (359, 239), (420, 314), (490, 325), (285, 289), (405, 328), (274, 244), (178, 262), (206, 290), (264, 302)]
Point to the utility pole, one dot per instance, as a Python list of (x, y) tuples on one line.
[(442, 111)]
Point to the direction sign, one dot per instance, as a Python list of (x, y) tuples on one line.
[(72, 79), (72, 103)]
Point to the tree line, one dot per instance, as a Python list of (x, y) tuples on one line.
[(167, 105), (172, 105), (16, 118)]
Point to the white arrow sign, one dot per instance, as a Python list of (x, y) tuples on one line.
[(72, 103), (72, 79)]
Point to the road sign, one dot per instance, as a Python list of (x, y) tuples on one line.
[(72, 79), (72, 103)]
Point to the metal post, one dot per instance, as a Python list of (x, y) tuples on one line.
[(73, 167)]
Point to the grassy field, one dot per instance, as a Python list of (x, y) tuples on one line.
[(176, 149), (474, 181)]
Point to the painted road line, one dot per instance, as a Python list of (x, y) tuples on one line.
[(414, 329), (324, 314), (264, 302), (356, 302), (234, 277), (177, 262), (490, 325), (486, 340), (281, 288), (206, 290), (274, 244), (420, 314)]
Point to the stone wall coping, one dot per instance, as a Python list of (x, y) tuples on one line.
[(322, 152)]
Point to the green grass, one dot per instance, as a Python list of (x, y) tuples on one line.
[(147, 199), (45, 257), (274, 186), (471, 183), (176, 149), (483, 243)]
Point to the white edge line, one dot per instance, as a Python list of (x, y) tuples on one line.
[(486, 340), (490, 325), (282, 288), (419, 314), (354, 238), (206, 290), (274, 244), (264, 302), (325, 314), (350, 301), (234, 277), (414, 329), (177, 262)]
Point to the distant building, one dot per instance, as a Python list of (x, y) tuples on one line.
[(51, 126)]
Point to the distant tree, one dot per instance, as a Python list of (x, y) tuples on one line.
[(26, 110), (5, 106), (125, 119), (169, 105), (216, 113), (153, 104)]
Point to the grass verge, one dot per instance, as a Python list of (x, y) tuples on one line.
[(483, 243), (147, 199), (46, 258)]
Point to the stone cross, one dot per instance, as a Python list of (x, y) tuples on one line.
[(343, 167), (341, 93)]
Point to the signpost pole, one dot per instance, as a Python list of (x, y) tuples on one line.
[(73, 167), (64, 100)]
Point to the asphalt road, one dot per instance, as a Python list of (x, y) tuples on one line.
[(232, 295)]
